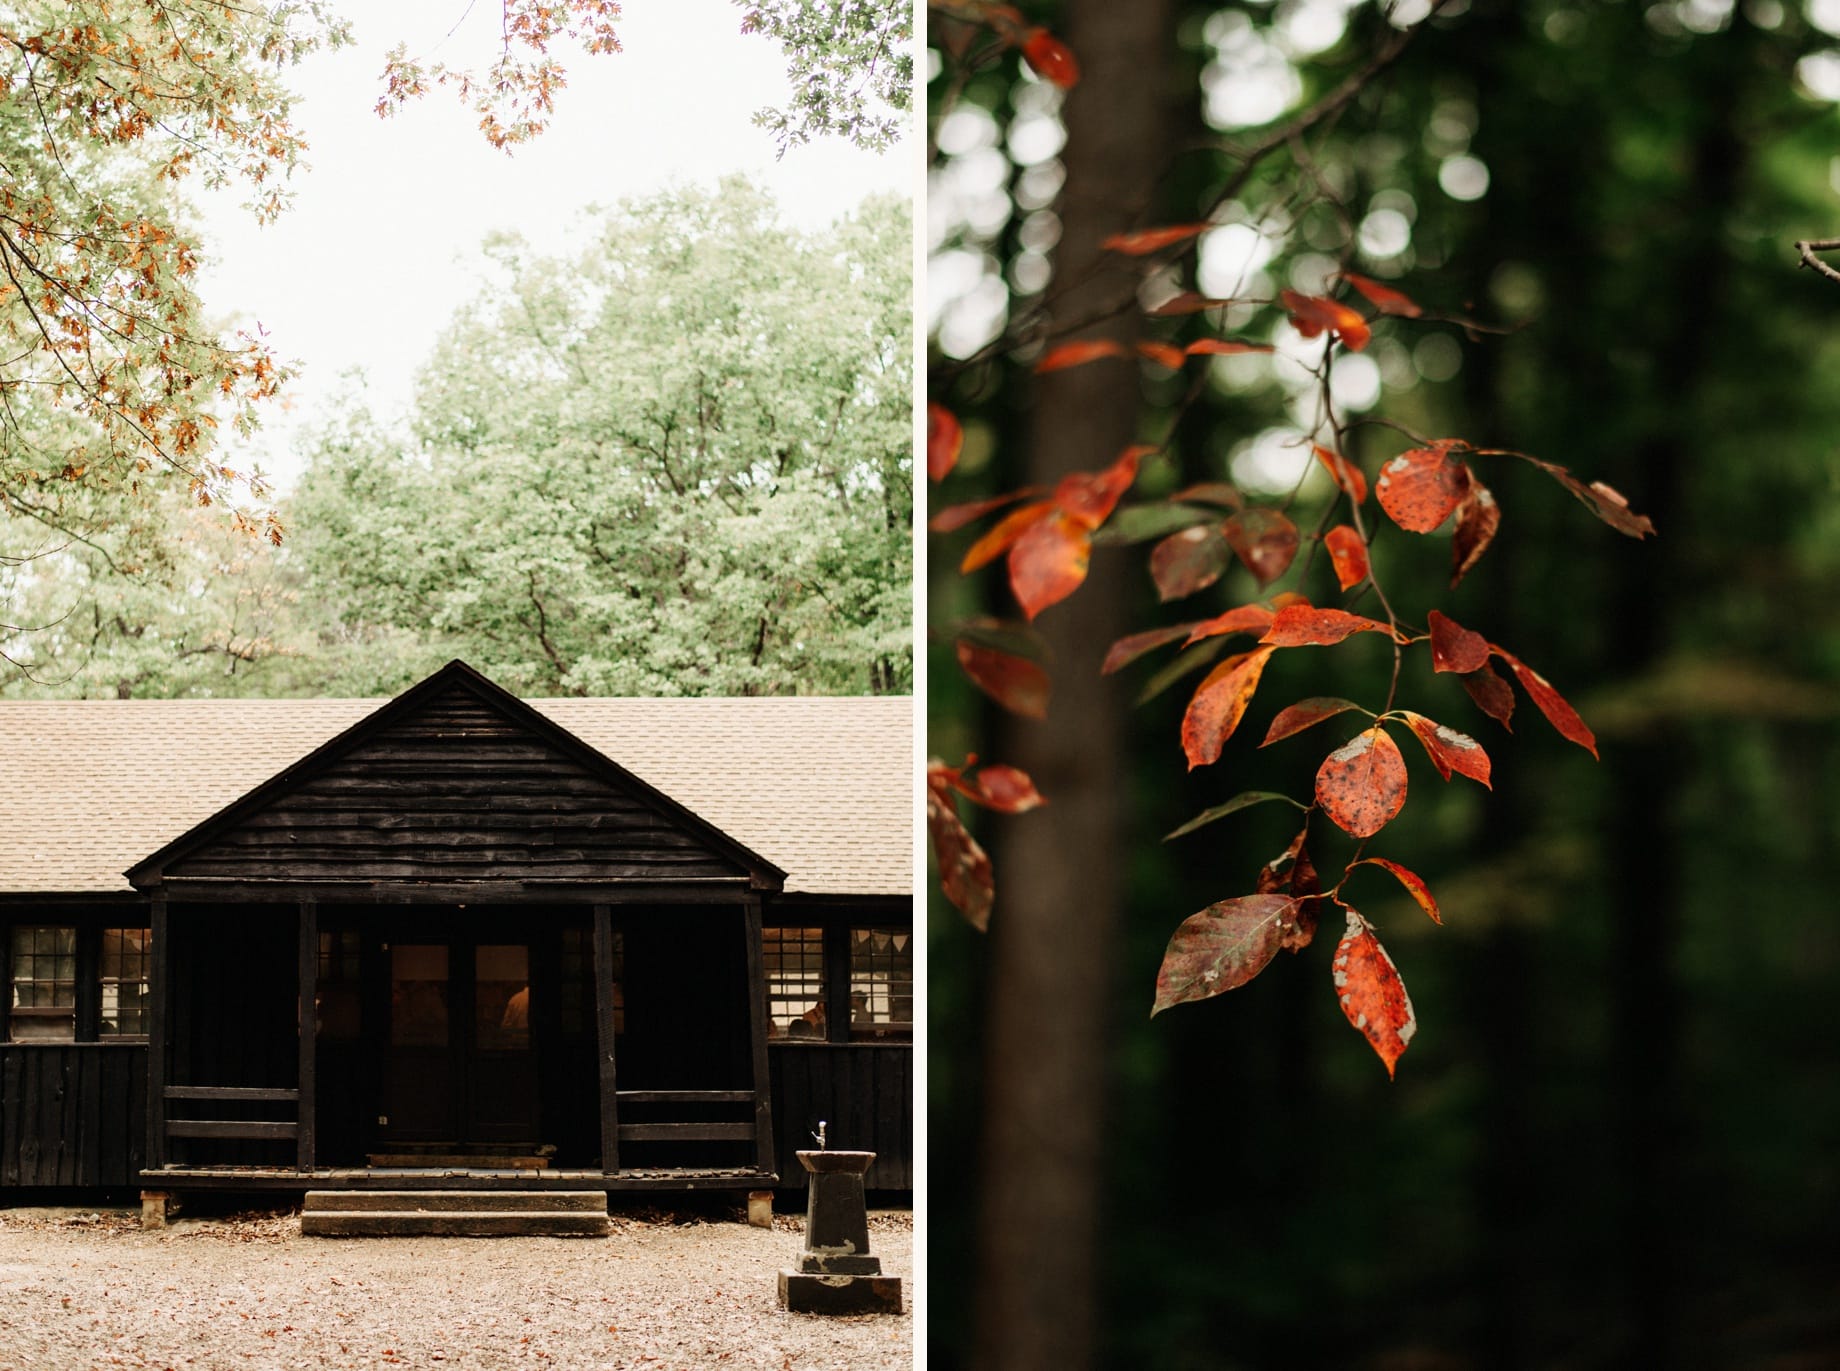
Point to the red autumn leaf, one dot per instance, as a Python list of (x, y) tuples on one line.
[(1186, 302), (1346, 475), (1223, 347), (1603, 501), (1188, 560), (1210, 493), (1265, 540), (1284, 599), (1006, 789), (1347, 555), (1292, 873), (954, 517), (1016, 683), (944, 437), (999, 539), (964, 867), (1493, 696), (1245, 619), (1454, 647), (1477, 519), (1384, 298), (1127, 650), (1048, 563), (1052, 59), (1079, 354), (1362, 784), (1219, 704), (1414, 884), (1143, 242), (1304, 626), (1305, 714), (1419, 489), (1312, 315), (1088, 498), (1222, 947), (1166, 354), (1552, 704), (1448, 749), (1372, 996)]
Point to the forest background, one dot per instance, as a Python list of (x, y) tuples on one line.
[(666, 453), (1614, 1140)]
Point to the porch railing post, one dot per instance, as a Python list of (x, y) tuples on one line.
[(159, 981), (309, 1032), (757, 1032), (603, 1018)]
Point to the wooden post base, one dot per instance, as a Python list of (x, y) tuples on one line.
[(155, 1205), (760, 1208)]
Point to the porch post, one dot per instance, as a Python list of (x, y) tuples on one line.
[(603, 1017), (757, 1030), (309, 1032), (159, 977)]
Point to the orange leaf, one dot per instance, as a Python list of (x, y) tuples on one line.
[(1088, 498), (1052, 59), (1362, 784), (955, 517), (999, 539), (1454, 647), (1187, 561), (1223, 347), (1312, 315), (1372, 996), (1145, 241), (1222, 947), (1245, 619), (1016, 683), (1219, 704), (1127, 650), (1383, 298), (1006, 789), (1448, 749), (1552, 704), (1165, 354), (1048, 563), (1078, 354), (1493, 696), (1347, 554), (964, 867), (1265, 540), (1477, 519), (1414, 884), (1302, 626), (1419, 489), (1305, 714), (944, 439), (1346, 475)]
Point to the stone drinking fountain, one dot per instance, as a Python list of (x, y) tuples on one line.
[(837, 1274)]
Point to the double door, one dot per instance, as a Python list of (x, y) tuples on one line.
[(459, 1057)]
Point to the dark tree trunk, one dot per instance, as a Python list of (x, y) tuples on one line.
[(1054, 934)]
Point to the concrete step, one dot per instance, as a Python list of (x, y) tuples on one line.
[(452, 1224), (457, 1201)]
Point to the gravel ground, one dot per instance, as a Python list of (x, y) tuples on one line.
[(81, 1291)]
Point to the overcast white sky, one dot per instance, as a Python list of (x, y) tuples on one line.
[(381, 244)]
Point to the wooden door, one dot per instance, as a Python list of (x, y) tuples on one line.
[(420, 1080)]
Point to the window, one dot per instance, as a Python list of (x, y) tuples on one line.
[(340, 1003), (125, 954), (576, 999), (795, 982), (881, 983), (44, 999)]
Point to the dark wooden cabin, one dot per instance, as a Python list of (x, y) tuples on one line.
[(627, 944)]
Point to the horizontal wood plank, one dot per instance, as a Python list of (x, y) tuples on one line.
[(229, 1092), (228, 1128), (686, 1132), (685, 1096)]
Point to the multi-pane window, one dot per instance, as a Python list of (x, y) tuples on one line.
[(795, 982), (340, 1003), (576, 998), (125, 955), (881, 983), (44, 990)]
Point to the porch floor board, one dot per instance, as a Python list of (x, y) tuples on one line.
[(445, 1178)]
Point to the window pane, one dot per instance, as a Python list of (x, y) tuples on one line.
[(418, 995), (44, 984), (794, 959), (881, 983), (501, 997), (124, 981)]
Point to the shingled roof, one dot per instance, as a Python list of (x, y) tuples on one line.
[(820, 786)]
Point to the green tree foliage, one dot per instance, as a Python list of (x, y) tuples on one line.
[(850, 63), (677, 462)]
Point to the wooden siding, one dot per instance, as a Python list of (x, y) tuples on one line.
[(72, 1114), (866, 1094), (452, 791)]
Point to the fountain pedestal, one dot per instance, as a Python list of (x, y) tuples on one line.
[(837, 1274)]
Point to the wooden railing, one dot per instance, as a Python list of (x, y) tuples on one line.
[(686, 1132), (232, 1128)]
